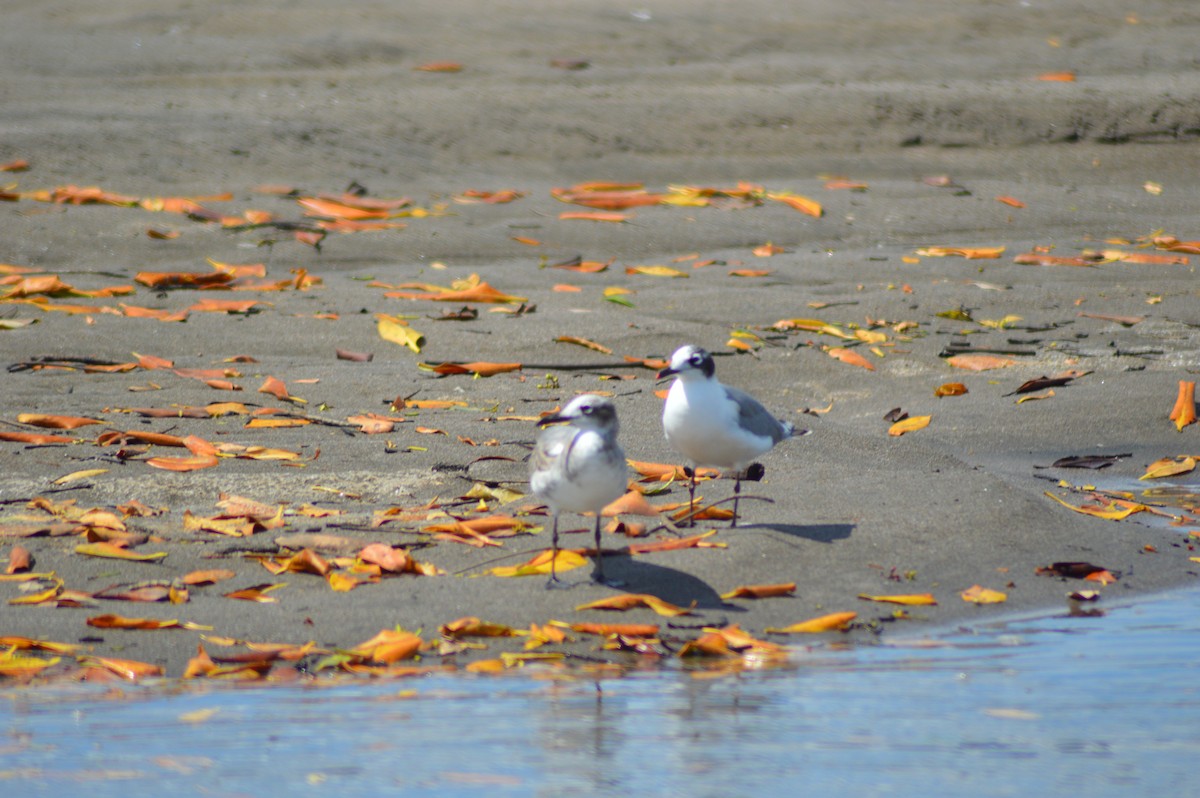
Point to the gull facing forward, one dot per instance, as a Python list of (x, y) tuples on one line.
[(712, 424), (578, 466)]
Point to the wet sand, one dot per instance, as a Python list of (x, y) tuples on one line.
[(149, 100)]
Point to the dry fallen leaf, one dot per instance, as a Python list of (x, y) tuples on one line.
[(761, 591), (628, 601), (950, 389), (850, 357), (981, 595), (910, 599), (980, 362), (835, 621), (910, 424)]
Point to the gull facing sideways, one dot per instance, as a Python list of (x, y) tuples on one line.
[(713, 424), (578, 466)]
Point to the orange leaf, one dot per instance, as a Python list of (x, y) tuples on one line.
[(584, 342), (1103, 577), (224, 305), (628, 601), (389, 559), (749, 272), (479, 369), (19, 560), (135, 312), (194, 463), (767, 250), (911, 599), (1057, 77), (632, 503), (596, 216), (337, 210), (304, 561), (1184, 411), (623, 629), (256, 593), (970, 253), (802, 204), (388, 646), (182, 279), (835, 621), (151, 362), (55, 422), (440, 66), (1010, 201), (693, 542), (129, 669), (33, 438), (150, 624), (473, 627), (850, 357), (980, 362), (950, 389), (761, 591), (209, 577)]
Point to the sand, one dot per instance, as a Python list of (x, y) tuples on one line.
[(168, 99)]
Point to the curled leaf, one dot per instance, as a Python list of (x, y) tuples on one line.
[(833, 622)]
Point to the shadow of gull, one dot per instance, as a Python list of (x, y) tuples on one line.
[(667, 584), (822, 533)]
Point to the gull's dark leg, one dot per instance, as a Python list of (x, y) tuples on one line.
[(737, 489), (598, 570), (690, 473), (554, 580)]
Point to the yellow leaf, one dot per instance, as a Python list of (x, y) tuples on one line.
[(910, 599), (1169, 467), (657, 271), (37, 598), (540, 565), (870, 336), (13, 664), (1000, 324), (910, 424), (396, 330), (342, 583), (616, 290), (78, 475), (982, 595), (1110, 513), (116, 552)]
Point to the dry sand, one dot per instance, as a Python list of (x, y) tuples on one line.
[(173, 99)]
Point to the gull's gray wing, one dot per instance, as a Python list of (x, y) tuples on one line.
[(757, 419)]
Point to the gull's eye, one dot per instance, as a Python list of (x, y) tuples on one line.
[(695, 360), (587, 410)]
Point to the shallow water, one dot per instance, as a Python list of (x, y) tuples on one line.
[(1061, 705)]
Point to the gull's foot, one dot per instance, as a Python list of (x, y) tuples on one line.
[(598, 578), (755, 472), (554, 583)]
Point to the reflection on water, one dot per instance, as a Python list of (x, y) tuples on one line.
[(1042, 706)]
